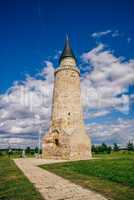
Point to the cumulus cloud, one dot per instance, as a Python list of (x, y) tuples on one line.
[(26, 106), (22, 103), (121, 132), (106, 85)]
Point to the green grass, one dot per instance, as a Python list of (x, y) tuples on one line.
[(111, 175), (13, 184)]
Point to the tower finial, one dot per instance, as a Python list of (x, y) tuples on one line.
[(67, 51)]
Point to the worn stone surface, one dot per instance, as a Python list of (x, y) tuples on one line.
[(67, 138), (51, 186)]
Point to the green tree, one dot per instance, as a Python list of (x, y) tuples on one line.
[(109, 149), (36, 150), (116, 147), (93, 148), (28, 150), (130, 146), (104, 147)]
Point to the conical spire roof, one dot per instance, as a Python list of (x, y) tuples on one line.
[(67, 51)]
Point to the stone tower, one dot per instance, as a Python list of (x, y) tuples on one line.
[(67, 138)]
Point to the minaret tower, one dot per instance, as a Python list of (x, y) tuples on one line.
[(67, 138)]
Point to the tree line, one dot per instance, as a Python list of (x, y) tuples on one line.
[(97, 149), (104, 148), (28, 151)]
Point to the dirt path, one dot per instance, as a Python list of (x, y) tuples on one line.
[(51, 186)]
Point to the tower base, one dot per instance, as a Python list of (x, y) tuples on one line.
[(66, 147)]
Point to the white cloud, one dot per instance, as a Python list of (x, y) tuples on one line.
[(121, 132), (115, 33), (99, 34), (99, 113), (105, 85), (20, 105)]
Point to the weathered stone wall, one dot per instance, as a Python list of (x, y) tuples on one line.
[(67, 138)]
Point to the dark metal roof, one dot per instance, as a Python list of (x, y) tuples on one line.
[(67, 51)]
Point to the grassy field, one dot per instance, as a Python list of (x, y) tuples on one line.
[(111, 175), (13, 184)]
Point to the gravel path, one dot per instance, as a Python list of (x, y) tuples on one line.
[(51, 186)]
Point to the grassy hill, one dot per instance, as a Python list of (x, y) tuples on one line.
[(111, 175)]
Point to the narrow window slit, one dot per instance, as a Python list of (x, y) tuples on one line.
[(57, 142)]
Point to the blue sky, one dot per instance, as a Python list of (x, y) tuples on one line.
[(32, 35), (32, 31)]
